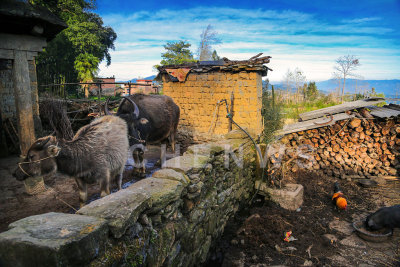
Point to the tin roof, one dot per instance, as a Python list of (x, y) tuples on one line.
[(340, 108), (330, 115)]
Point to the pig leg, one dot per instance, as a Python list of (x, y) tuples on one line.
[(82, 186), (105, 184), (120, 178)]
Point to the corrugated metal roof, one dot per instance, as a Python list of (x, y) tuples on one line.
[(313, 124), (384, 112), (340, 108)]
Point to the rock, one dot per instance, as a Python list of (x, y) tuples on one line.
[(171, 175), (186, 163), (188, 205), (341, 226), (223, 195), (193, 188), (290, 197), (162, 191), (120, 209), (239, 134), (53, 239), (197, 215), (353, 241), (329, 239), (380, 180), (193, 196), (307, 263), (208, 149), (143, 219)]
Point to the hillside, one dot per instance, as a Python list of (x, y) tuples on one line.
[(388, 87)]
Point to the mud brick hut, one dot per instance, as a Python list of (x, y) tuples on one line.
[(355, 139), (199, 88), (24, 31)]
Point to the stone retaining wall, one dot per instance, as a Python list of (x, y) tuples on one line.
[(169, 219)]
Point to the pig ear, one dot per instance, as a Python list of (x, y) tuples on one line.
[(53, 150)]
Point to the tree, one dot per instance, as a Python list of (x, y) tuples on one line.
[(215, 56), (311, 92), (288, 82), (299, 80), (177, 53), (75, 53), (208, 38), (344, 67), (294, 79)]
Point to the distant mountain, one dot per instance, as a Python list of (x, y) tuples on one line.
[(145, 78), (388, 87)]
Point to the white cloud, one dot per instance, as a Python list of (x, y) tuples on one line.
[(292, 38)]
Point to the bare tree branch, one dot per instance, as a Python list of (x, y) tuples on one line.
[(344, 67)]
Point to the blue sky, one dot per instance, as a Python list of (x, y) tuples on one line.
[(309, 35)]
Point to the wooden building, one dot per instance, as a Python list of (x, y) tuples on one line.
[(24, 32)]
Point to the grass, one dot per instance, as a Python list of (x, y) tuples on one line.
[(292, 110)]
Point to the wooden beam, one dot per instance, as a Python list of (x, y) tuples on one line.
[(23, 101)]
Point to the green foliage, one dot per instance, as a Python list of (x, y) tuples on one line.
[(271, 113), (76, 52), (177, 53), (86, 65), (373, 93), (292, 110), (311, 92), (215, 56)]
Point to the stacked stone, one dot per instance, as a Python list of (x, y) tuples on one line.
[(169, 219), (199, 94)]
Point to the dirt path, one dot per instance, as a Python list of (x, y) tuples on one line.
[(324, 235), (15, 204)]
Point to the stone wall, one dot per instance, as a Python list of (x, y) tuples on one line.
[(198, 95), (169, 219), (6, 89)]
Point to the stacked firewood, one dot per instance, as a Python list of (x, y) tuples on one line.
[(357, 146)]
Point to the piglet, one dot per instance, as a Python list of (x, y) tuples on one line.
[(387, 217)]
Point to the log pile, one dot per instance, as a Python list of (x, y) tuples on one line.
[(363, 146)]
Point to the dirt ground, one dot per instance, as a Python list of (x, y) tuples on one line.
[(16, 204), (255, 237)]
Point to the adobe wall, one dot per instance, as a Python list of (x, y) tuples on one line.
[(169, 219), (198, 95)]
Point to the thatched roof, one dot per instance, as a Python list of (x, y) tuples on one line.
[(255, 64), (19, 17)]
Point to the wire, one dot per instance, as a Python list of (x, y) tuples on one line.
[(262, 165)]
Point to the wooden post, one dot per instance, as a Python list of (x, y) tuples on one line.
[(263, 148), (129, 88), (86, 88), (23, 101), (99, 97), (231, 112)]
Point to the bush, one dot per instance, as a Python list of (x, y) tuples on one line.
[(272, 115)]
